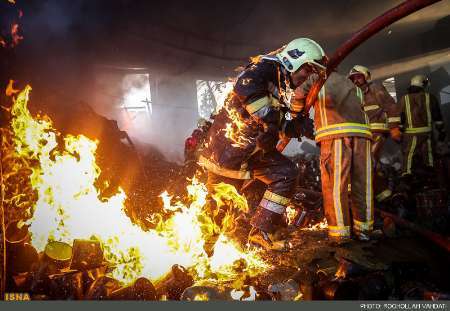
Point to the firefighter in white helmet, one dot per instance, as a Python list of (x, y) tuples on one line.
[(384, 119), (420, 114), (242, 140)]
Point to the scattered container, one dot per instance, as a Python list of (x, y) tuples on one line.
[(58, 253), (86, 254), (141, 289), (174, 283)]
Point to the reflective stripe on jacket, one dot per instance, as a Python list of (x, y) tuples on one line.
[(420, 112), (380, 107), (338, 110), (412, 120)]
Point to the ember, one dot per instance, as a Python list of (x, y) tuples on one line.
[(14, 36)]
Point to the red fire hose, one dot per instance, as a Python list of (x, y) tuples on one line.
[(404, 9), (437, 239)]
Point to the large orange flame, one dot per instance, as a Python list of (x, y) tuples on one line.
[(68, 208)]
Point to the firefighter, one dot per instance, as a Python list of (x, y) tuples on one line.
[(194, 143), (344, 136), (384, 119), (242, 140), (420, 112), (380, 107)]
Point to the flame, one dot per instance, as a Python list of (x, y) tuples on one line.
[(10, 91), (16, 37), (201, 297), (234, 129), (318, 226), (68, 207), (291, 213), (241, 295), (340, 273)]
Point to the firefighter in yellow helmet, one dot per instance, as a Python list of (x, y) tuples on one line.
[(344, 136), (384, 119), (420, 112)]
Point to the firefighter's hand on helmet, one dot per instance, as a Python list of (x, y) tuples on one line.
[(267, 140), (396, 134)]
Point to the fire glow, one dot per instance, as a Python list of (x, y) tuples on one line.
[(68, 208), (14, 31), (234, 129)]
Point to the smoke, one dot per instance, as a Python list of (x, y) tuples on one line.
[(152, 108)]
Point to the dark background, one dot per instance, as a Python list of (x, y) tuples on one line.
[(68, 45)]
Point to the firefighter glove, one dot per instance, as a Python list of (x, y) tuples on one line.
[(396, 134), (267, 140)]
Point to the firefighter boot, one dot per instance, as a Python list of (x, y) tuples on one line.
[(265, 240)]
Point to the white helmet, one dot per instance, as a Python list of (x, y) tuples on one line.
[(420, 81), (201, 122), (301, 51), (358, 69)]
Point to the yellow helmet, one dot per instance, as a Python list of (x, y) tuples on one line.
[(419, 80), (301, 51), (358, 69)]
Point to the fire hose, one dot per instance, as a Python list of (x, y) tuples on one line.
[(404, 9), (437, 239)]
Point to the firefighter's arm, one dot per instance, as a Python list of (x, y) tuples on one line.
[(269, 118), (298, 99), (252, 87), (401, 109), (389, 106), (392, 111), (264, 109), (301, 124)]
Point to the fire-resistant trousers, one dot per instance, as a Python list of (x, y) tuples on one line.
[(343, 162), (280, 175), (380, 182), (417, 150), (378, 140)]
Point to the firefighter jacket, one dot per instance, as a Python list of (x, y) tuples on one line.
[(338, 110), (249, 120), (419, 110), (380, 107)]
